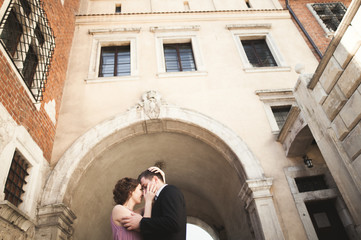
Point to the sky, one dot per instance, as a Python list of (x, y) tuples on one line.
[(196, 233)]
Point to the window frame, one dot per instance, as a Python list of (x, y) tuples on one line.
[(275, 98), (117, 49), (112, 40), (17, 138), (329, 32), (253, 34), (177, 46), (178, 35)]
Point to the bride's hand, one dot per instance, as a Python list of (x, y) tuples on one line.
[(157, 170), (149, 193)]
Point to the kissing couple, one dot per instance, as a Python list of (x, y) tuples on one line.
[(163, 216)]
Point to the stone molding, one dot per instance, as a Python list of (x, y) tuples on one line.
[(13, 216), (113, 30), (174, 28), (55, 222), (249, 26)]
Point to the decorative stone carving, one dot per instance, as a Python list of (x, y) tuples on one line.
[(151, 104), (14, 224)]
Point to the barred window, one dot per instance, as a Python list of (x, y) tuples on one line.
[(258, 53), (330, 13), (15, 182), (179, 57), (115, 61), (27, 37), (280, 113)]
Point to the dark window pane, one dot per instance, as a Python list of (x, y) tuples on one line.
[(30, 64), (314, 183), (179, 57), (280, 113), (26, 7), (39, 35), (258, 53), (11, 33)]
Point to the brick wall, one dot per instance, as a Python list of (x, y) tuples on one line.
[(14, 97), (310, 23)]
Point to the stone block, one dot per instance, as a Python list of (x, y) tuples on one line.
[(352, 142), (351, 112), (333, 103), (319, 93), (330, 75), (351, 77), (339, 127), (348, 46)]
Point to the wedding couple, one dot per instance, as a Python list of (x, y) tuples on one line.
[(164, 213)]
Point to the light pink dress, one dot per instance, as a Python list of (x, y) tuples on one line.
[(121, 233)]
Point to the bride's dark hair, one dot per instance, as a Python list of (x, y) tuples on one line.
[(123, 189)]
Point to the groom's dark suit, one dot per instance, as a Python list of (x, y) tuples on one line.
[(168, 221)]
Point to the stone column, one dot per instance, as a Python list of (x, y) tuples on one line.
[(259, 204), (55, 222)]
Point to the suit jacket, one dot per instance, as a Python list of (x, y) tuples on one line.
[(169, 219)]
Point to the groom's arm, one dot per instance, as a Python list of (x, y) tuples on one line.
[(173, 214)]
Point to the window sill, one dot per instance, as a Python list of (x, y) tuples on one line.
[(181, 74), (267, 69), (111, 79)]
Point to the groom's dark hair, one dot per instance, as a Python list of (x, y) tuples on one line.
[(148, 175)]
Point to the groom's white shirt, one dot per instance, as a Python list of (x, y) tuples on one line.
[(159, 190)]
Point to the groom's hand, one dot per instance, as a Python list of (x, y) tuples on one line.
[(132, 222)]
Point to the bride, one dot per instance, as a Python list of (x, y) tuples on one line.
[(127, 193)]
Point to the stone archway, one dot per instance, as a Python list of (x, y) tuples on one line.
[(153, 122)]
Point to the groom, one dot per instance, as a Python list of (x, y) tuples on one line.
[(168, 221)]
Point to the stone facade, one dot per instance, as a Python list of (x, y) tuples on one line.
[(214, 129), (334, 119)]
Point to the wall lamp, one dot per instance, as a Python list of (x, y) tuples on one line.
[(307, 161)]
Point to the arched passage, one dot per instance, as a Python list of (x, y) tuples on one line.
[(208, 161)]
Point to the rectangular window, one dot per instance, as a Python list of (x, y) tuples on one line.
[(258, 53), (331, 14), (179, 57), (280, 113), (15, 182), (314, 183), (118, 8), (115, 61)]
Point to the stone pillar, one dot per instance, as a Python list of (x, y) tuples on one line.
[(259, 204), (55, 222)]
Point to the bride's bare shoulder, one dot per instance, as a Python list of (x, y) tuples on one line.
[(120, 211)]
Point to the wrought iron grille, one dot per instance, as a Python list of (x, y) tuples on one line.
[(26, 35), (330, 13), (16, 179)]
